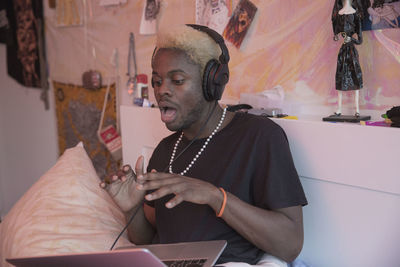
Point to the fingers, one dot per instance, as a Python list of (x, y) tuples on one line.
[(139, 167), (159, 193), (179, 196), (128, 173), (174, 201), (122, 175), (156, 180)]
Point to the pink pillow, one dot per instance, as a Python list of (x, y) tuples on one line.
[(64, 211)]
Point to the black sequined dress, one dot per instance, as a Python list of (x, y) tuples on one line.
[(348, 70)]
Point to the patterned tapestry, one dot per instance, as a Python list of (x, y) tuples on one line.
[(78, 112), (25, 18)]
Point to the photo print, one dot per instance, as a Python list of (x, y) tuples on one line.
[(213, 13), (148, 23), (240, 22)]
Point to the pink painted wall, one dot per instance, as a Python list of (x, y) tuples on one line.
[(290, 43)]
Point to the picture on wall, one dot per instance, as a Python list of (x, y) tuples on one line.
[(69, 13), (381, 14), (148, 23), (240, 22), (213, 13)]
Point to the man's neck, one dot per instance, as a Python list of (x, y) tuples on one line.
[(206, 124)]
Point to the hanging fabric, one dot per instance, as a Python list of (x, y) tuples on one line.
[(78, 113), (23, 62)]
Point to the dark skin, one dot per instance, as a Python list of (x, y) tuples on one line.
[(177, 88)]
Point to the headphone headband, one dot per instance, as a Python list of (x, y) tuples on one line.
[(224, 57)]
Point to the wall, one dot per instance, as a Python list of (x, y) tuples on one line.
[(292, 49), (28, 140)]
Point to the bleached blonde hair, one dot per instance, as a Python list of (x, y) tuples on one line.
[(198, 45)]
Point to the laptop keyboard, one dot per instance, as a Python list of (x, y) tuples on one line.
[(185, 263)]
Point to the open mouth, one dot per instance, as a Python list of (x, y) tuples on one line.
[(168, 114)]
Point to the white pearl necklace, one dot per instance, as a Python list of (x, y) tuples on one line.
[(200, 151)]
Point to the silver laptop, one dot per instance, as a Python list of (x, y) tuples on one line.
[(193, 254)]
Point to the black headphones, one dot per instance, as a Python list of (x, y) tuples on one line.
[(216, 72)]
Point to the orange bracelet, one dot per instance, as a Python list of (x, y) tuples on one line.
[(221, 211)]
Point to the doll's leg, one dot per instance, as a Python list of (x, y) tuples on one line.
[(339, 110), (357, 104)]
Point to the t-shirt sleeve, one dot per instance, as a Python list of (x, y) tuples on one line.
[(277, 184)]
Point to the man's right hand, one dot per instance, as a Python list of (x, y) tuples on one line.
[(122, 186)]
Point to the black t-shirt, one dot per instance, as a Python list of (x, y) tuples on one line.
[(249, 158)]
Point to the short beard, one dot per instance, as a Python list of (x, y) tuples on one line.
[(192, 117)]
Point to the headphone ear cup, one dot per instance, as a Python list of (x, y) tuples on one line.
[(216, 75), (220, 79), (208, 80)]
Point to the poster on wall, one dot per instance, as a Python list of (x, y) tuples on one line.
[(78, 112), (213, 13), (25, 17), (381, 14), (151, 11), (69, 13), (240, 22)]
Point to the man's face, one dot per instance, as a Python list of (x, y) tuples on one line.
[(177, 88)]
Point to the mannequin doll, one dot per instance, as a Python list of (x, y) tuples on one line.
[(346, 21)]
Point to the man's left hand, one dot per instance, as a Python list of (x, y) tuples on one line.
[(184, 188)]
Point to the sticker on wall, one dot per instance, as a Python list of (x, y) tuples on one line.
[(240, 22), (213, 13), (151, 11)]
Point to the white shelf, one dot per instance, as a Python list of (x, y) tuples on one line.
[(346, 153)]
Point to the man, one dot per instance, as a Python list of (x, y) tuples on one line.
[(222, 175)]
